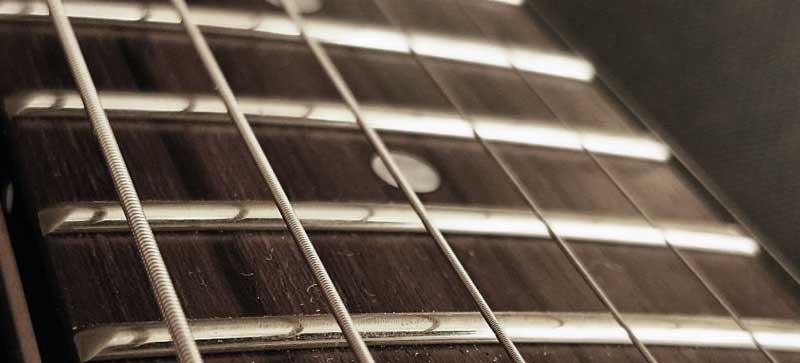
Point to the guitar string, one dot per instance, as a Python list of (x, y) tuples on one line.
[(562, 244), (686, 261), (288, 214), (383, 153), (158, 276), (607, 172)]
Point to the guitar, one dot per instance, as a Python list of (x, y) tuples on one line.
[(353, 181)]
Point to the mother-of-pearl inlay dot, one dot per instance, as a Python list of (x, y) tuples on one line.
[(420, 174)]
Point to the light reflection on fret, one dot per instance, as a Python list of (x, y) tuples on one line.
[(510, 2), (320, 331), (367, 36), (605, 229), (728, 239), (388, 118), (465, 50), (317, 216)]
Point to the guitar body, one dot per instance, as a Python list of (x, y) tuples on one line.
[(233, 262)]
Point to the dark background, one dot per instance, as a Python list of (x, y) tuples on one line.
[(721, 78)]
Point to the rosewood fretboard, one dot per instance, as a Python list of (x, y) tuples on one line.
[(488, 97)]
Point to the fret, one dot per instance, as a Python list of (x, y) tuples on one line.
[(275, 25), (510, 2), (364, 217), (468, 43), (99, 217), (318, 331), (384, 117)]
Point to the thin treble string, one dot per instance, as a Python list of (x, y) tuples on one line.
[(698, 274), (565, 248), (299, 234), (157, 273), (383, 153)]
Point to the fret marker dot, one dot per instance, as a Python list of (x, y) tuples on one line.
[(422, 176)]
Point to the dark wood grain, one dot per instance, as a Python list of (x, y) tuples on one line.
[(755, 287), (474, 89), (191, 161), (583, 105), (677, 197), (565, 181)]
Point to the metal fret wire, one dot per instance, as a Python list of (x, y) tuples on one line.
[(566, 249), (299, 234), (167, 298), (383, 152), (698, 274)]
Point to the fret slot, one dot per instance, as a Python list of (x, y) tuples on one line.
[(365, 217), (136, 340), (330, 114), (274, 24)]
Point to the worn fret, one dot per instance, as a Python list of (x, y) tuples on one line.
[(273, 24), (320, 113), (364, 217), (136, 340)]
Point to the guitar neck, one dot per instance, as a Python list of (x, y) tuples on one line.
[(539, 193)]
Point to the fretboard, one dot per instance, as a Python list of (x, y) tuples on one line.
[(586, 237)]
